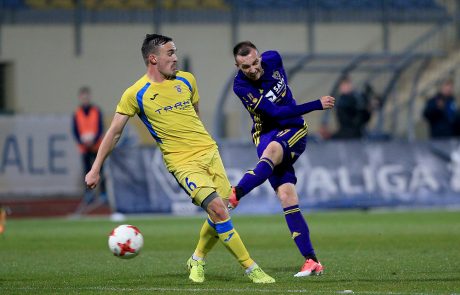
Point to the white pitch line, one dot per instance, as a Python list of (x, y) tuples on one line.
[(196, 290)]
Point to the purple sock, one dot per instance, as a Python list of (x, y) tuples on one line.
[(299, 230), (254, 178)]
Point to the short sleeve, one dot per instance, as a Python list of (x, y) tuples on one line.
[(273, 57), (128, 104), (195, 95)]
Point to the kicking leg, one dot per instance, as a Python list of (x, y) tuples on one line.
[(272, 156)]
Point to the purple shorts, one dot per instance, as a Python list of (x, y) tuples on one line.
[(293, 141)]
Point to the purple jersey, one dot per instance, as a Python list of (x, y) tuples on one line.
[(263, 97)]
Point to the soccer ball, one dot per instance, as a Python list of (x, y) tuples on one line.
[(126, 241)]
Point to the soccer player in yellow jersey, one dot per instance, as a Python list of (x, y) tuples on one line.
[(166, 100)]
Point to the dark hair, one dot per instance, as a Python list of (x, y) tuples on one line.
[(84, 90), (151, 44), (243, 48), (448, 80), (345, 79)]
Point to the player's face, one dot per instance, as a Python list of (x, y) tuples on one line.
[(345, 88), (166, 59), (447, 89), (250, 65), (85, 98)]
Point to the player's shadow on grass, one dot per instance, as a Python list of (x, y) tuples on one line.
[(325, 278), (225, 279), (391, 280), (280, 269), (209, 276)]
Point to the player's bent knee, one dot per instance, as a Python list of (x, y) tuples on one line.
[(205, 203), (216, 208), (274, 152), (218, 213)]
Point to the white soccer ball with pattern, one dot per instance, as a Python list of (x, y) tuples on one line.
[(126, 241)]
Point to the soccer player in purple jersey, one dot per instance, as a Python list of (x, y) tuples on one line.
[(279, 133)]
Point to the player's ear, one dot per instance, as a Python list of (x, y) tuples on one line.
[(153, 59)]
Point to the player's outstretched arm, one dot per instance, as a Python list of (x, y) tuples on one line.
[(284, 112), (108, 143)]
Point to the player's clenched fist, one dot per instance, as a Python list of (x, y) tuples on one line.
[(327, 102), (92, 179)]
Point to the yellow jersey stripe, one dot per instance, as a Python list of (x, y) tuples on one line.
[(298, 135), (257, 104), (291, 211), (258, 128)]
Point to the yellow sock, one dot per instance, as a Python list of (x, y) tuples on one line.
[(232, 241), (208, 238)]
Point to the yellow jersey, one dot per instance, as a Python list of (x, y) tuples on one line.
[(167, 111)]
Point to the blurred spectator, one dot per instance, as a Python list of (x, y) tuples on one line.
[(457, 124), (441, 113), (88, 131), (353, 110), (2, 219)]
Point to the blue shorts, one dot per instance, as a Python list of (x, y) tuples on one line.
[(294, 142)]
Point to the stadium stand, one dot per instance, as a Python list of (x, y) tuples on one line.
[(325, 5), (116, 4), (342, 4)]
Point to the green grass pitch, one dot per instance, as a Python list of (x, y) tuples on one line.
[(368, 253)]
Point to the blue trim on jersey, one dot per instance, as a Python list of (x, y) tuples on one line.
[(212, 224), (185, 81), (142, 115), (224, 226)]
